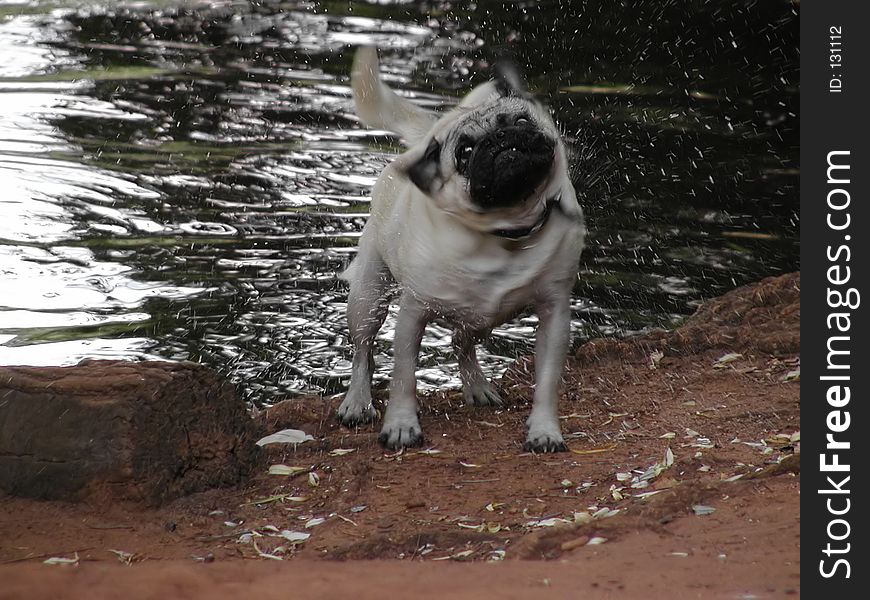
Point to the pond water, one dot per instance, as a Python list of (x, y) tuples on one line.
[(185, 180)]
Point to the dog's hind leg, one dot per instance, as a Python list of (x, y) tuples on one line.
[(401, 426), (366, 310), (476, 390)]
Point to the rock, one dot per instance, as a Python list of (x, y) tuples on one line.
[(761, 318), (115, 430)]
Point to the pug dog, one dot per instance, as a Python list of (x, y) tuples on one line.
[(476, 221)]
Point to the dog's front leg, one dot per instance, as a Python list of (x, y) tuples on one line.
[(401, 426), (551, 346), (366, 309)]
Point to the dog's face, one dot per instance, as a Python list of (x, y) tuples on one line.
[(491, 161)]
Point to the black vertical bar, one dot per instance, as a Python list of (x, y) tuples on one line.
[(835, 229)]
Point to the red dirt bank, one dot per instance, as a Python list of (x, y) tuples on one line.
[(480, 498)]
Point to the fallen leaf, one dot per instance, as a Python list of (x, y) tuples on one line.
[(285, 436), (552, 522), (59, 560), (605, 513), (276, 498), (594, 450), (581, 518), (496, 555), (265, 554), (287, 470), (341, 451), (645, 495), (575, 543), (295, 537), (792, 375), (727, 358), (124, 557)]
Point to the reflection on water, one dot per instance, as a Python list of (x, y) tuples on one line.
[(185, 180)]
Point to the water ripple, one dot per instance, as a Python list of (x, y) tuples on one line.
[(187, 180)]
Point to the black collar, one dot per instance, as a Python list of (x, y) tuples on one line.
[(522, 232)]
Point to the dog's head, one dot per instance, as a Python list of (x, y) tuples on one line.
[(495, 158)]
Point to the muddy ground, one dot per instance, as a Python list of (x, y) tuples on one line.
[(682, 481)]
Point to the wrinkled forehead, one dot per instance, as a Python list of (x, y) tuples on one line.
[(481, 117)]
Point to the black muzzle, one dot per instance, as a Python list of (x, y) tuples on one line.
[(508, 165)]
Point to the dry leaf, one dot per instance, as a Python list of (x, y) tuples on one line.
[(594, 450), (295, 537), (341, 451), (287, 470), (792, 375), (575, 543), (59, 560), (285, 436), (727, 358)]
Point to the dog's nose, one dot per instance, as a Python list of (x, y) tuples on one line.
[(509, 163)]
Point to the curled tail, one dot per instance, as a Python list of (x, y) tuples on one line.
[(379, 107)]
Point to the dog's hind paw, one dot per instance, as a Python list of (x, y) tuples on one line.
[(482, 394), (401, 435), (545, 442), (352, 412)]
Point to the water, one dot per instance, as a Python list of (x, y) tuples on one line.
[(185, 180)]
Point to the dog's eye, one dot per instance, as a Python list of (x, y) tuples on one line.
[(521, 120), (463, 155)]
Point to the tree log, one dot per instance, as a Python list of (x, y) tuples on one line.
[(115, 430)]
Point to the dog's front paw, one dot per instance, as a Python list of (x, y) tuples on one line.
[(481, 394), (545, 440), (356, 409), (401, 433)]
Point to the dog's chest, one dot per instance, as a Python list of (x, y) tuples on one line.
[(481, 291), (483, 285)]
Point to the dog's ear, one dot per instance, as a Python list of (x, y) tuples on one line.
[(508, 79), (427, 169)]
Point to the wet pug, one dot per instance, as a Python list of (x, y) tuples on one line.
[(475, 221)]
